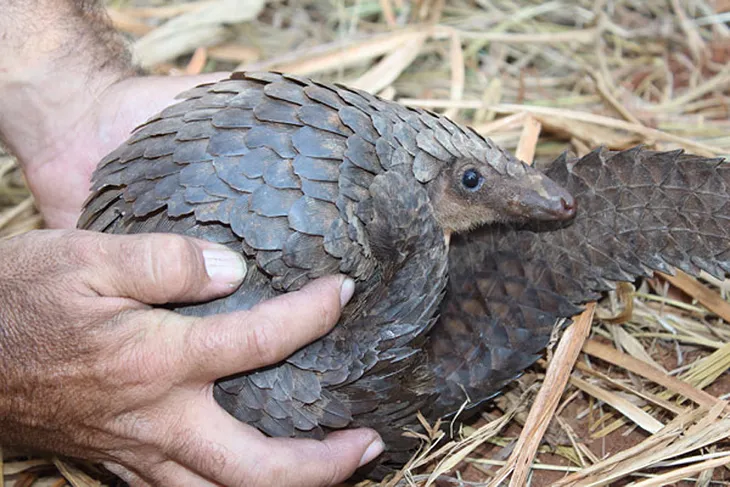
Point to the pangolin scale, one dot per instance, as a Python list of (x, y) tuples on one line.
[(308, 179)]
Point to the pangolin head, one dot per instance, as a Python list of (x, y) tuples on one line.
[(485, 184)]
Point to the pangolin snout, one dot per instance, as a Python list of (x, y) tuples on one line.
[(542, 198), (560, 206)]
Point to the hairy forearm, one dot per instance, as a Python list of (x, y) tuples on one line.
[(55, 56), (61, 33)]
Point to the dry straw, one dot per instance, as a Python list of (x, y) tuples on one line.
[(640, 402)]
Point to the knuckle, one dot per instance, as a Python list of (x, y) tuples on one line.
[(322, 469), (240, 471), (141, 357), (261, 343), (321, 311), (134, 253), (163, 260), (272, 472), (214, 458), (83, 249), (173, 437), (323, 302), (177, 258), (325, 315), (167, 356), (261, 477), (201, 341), (202, 454), (168, 473), (283, 306), (133, 369), (139, 426), (332, 471), (177, 246)]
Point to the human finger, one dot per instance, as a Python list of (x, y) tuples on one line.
[(224, 450), (319, 463), (167, 473), (158, 268), (220, 345)]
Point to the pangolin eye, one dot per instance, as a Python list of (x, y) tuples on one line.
[(471, 179)]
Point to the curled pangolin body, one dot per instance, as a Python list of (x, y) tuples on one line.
[(308, 179)]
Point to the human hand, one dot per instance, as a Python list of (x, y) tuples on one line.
[(59, 164), (88, 370)]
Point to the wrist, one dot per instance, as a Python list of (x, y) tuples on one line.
[(38, 117)]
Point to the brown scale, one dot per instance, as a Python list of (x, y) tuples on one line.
[(308, 179)]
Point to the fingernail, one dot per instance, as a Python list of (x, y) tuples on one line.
[(346, 291), (224, 265), (375, 449)]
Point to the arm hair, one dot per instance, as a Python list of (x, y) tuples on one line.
[(80, 31)]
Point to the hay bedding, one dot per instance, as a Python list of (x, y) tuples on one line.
[(537, 77)]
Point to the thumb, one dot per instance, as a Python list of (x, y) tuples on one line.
[(160, 268)]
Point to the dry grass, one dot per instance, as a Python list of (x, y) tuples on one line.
[(644, 403)]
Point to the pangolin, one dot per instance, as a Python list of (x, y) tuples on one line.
[(464, 257)]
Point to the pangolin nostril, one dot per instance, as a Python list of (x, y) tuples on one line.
[(568, 205)]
